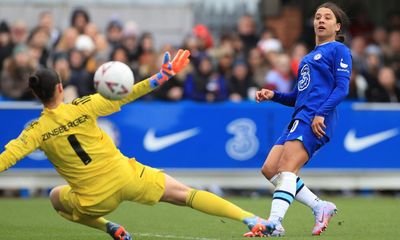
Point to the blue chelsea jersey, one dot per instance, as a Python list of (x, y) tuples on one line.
[(323, 82)]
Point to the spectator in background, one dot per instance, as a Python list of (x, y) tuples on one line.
[(269, 42), (357, 87), (46, 21), (393, 58), (38, 42), (91, 31), (270, 47), (280, 77), (6, 45), (225, 58), (79, 19), (95, 47), (120, 54), (61, 66), (258, 67), (225, 41), (114, 32), (380, 38), (247, 31), (130, 41), (80, 77), (206, 84), (86, 45), (147, 63), (223, 55), (226, 45), (204, 36), (358, 45), (238, 47), (14, 77), (19, 32), (386, 90), (240, 83), (35, 54), (298, 52), (146, 45), (103, 50), (67, 41), (199, 43), (233, 43), (373, 64), (192, 44)]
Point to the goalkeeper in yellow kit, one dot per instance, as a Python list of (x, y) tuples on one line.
[(99, 176)]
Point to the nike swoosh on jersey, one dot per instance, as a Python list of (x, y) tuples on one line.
[(152, 143), (354, 144)]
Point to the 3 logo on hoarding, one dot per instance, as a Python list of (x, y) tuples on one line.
[(244, 144)]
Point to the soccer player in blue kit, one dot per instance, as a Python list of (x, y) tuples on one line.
[(323, 83)]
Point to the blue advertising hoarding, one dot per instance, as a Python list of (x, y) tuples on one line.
[(189, 135)]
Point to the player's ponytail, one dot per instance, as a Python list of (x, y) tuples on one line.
[(34, 82), (341, 17), (43, 83)]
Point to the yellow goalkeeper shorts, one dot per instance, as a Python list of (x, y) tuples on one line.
[(146, 187)]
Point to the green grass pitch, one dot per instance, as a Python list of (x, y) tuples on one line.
[(358, 218)]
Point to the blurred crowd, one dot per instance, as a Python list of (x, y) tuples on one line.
[(231, 66)]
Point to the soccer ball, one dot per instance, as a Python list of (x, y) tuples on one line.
[(113, 80)]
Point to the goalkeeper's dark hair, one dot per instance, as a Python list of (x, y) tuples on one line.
[(341, 17), (43, 83)]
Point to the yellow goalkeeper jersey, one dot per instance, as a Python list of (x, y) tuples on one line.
[(82, 153)]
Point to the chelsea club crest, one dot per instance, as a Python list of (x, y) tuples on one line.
[(317, 56)]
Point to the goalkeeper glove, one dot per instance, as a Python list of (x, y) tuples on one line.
[(170, 69)]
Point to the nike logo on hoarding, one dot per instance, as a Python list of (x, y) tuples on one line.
[(152, 143), (354, 144)]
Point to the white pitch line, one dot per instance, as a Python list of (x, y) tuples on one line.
[(173, 236)]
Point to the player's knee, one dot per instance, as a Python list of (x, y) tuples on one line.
[(175, 192), (55, 198), (268, 172), (176, 196), (287, 166), (285, 160)]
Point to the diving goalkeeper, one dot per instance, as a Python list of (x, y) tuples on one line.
[(99, 176)]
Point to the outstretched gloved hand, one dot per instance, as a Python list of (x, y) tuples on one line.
[(170, 68)]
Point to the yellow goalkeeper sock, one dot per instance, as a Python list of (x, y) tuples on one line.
[(212, 204), (98, 223)]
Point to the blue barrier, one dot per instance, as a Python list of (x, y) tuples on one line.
[(189, 135)]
